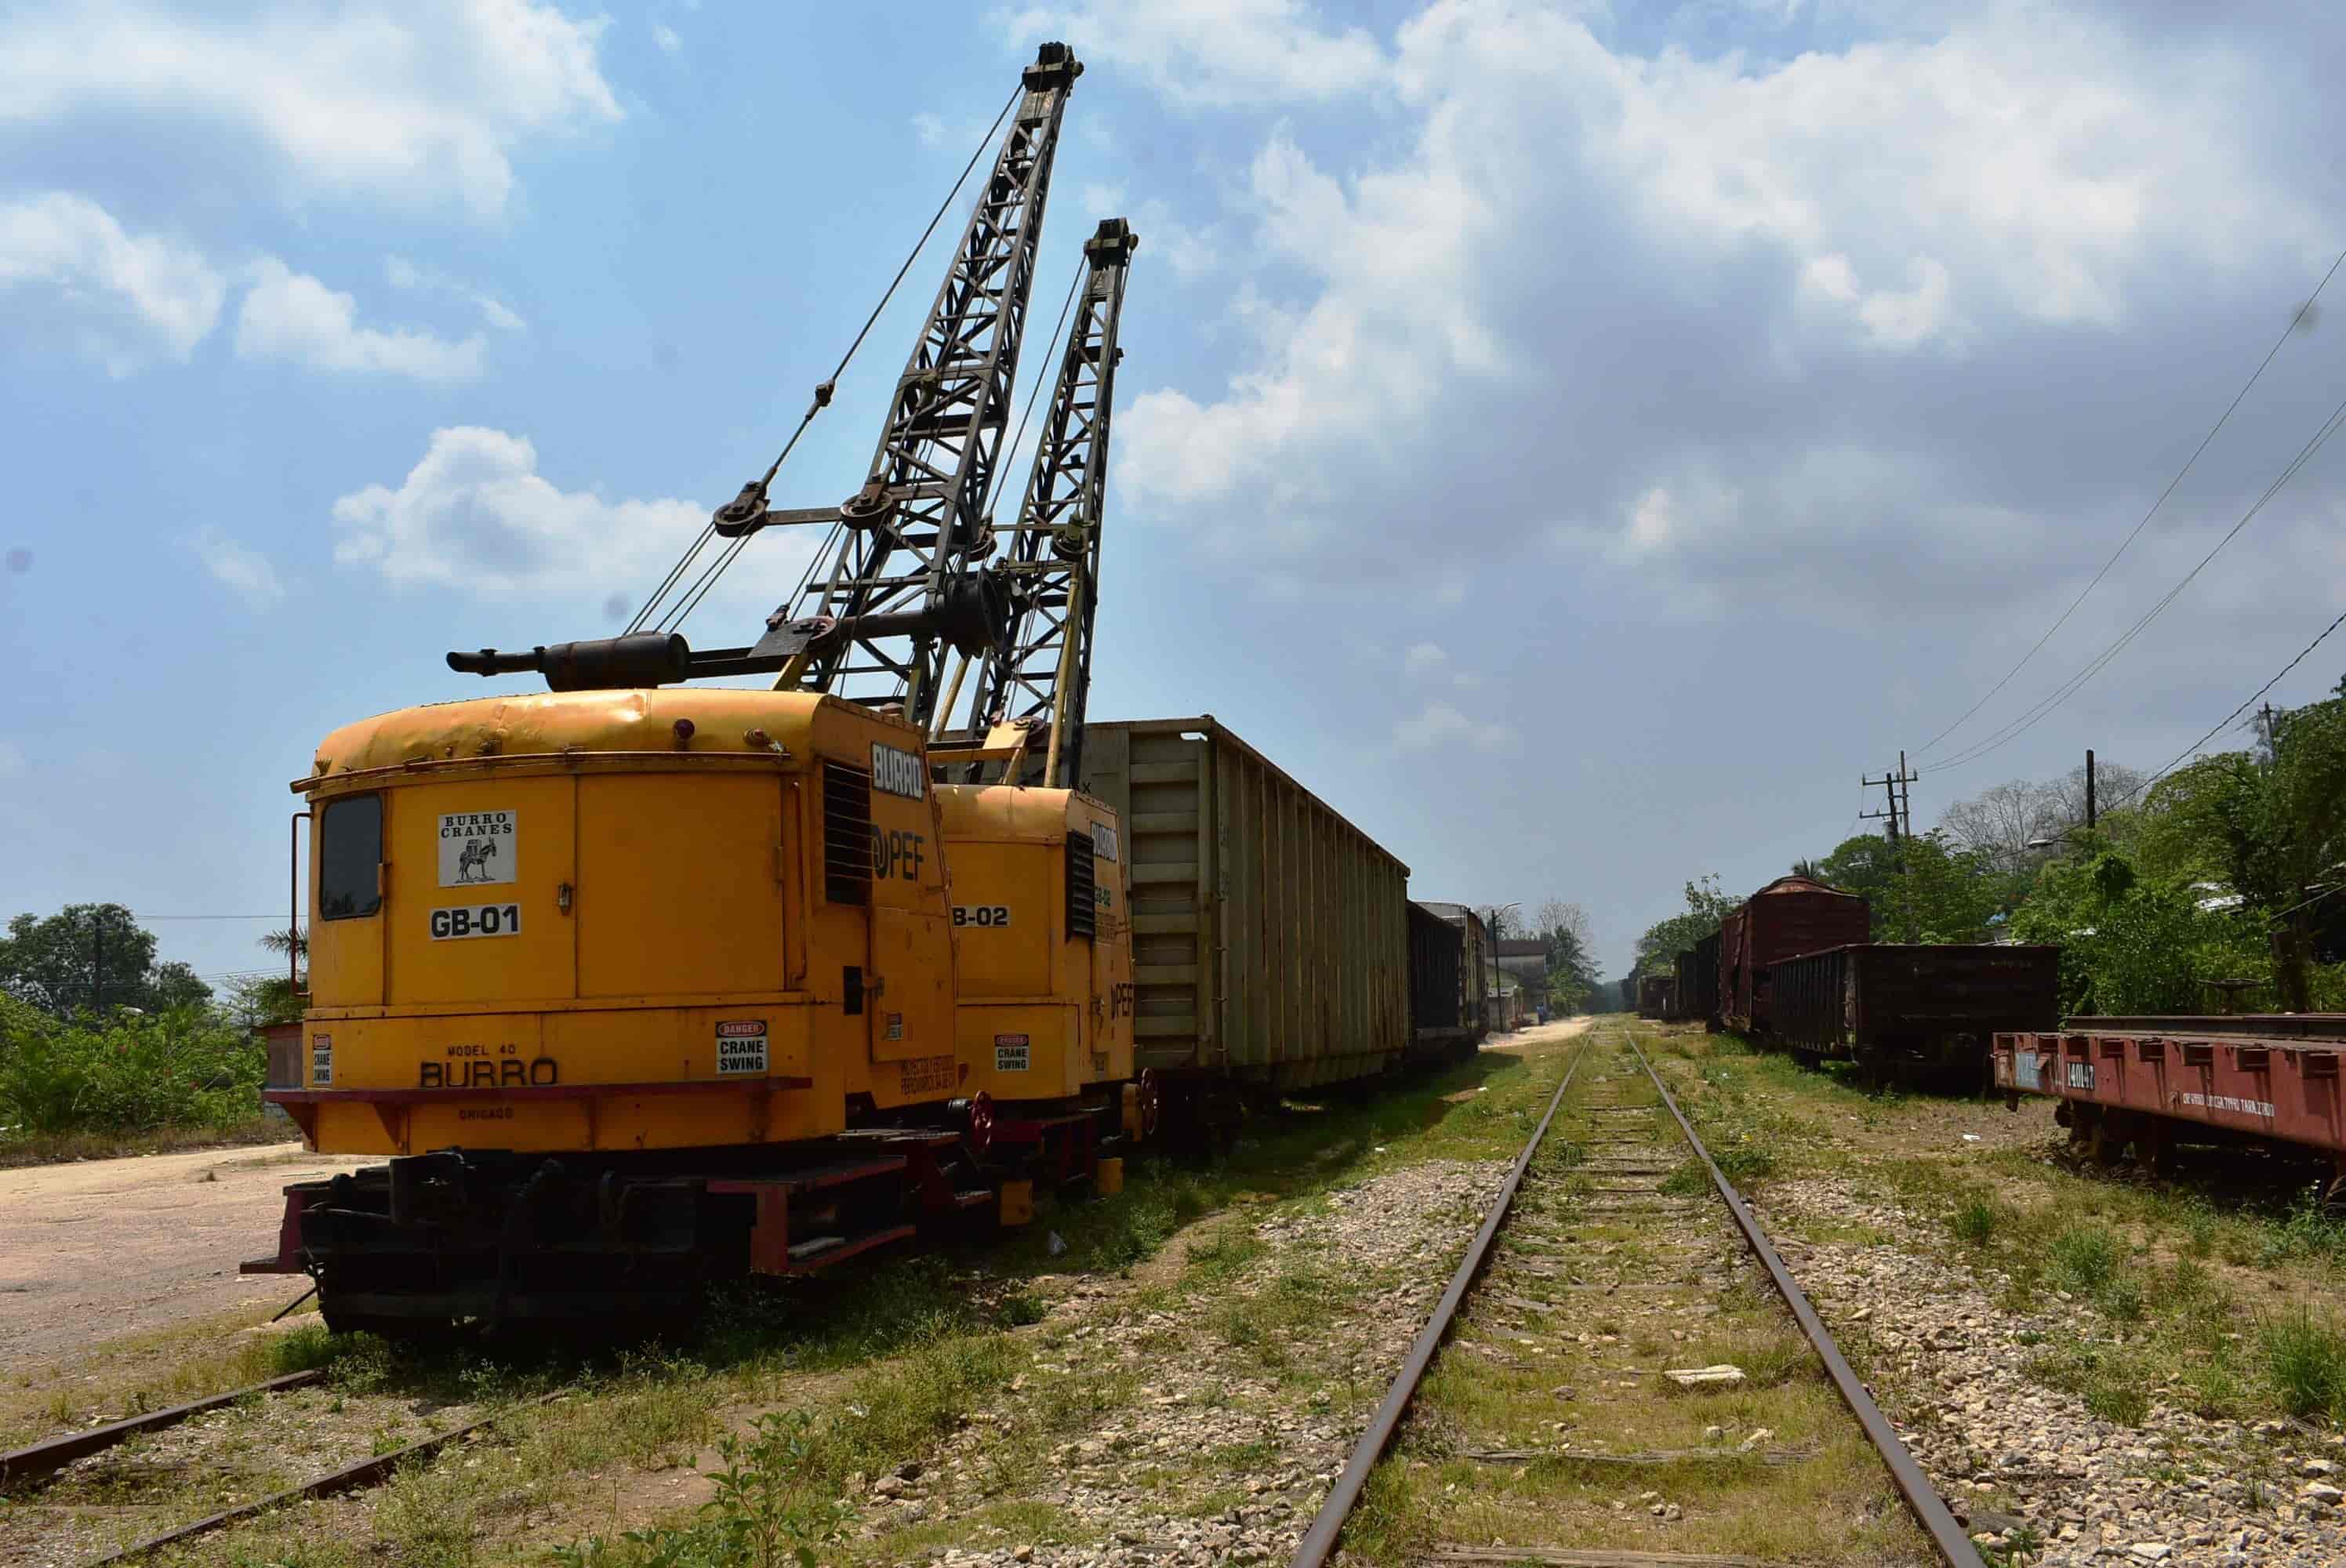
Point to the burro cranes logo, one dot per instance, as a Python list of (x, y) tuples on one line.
[(479, 848), (897, 772)]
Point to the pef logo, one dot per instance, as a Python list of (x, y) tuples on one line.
[(898, 773)]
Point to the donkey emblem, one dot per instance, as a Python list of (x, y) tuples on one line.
[(472, 864)]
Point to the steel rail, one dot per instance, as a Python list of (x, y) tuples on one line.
[(371, 1472), (48, 1457), (1921, 1496), (1319, 1541)]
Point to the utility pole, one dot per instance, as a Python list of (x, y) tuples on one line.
[(2089, 789), (1900, 812), (98, 960), (2265, 719)]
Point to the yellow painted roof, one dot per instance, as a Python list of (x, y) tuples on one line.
[(553, 721), (1015, 811)]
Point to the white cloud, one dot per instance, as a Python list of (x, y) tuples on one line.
[(665, 37), (289, 315), (414, 100), (1421, 658), (1439, 724), (1103, 200), (244, 572), (12, 760), (416, 278), (1571, 242), (1208, 53), (475, 514), (125, 296)]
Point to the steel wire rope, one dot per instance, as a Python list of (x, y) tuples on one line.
[(1050, 356), (2230, 409), (726, 559), (2061, 693)]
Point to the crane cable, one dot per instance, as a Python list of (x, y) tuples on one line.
[(2068, 688), (2294, 323), (690, 599)]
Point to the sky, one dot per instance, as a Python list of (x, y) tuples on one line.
[(1579, 443)]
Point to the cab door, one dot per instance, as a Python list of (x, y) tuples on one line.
[(480, 879), (911, 1014)]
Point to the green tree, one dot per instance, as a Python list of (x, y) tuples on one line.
[(2130, 943), (1563, 929), (1923, 890), (2273, 828), (91, 956), (1659, 949), (277, 998)]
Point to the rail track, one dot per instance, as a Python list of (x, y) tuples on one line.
[(23, 1471), (1623, 1169)]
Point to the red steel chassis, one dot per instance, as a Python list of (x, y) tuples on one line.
[(2153, 1081)]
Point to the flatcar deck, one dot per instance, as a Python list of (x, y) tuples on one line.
[(2159, 1080)]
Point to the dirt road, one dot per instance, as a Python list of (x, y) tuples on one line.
[(97, 1249)]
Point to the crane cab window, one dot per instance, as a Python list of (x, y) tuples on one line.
[(350, 851)]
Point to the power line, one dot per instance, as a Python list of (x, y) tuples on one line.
[(2230, 718), (2077, 683), (278, 915), (2221, 421)]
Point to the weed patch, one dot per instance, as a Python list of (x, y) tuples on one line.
[(2305, 1358), (1977, 1221)]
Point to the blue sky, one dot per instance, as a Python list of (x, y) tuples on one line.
[(1577, 442)]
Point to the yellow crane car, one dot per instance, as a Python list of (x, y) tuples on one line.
[(641, 986), (1041, 1017)]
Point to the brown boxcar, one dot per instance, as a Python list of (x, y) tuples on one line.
[(1912, 1010), (1269, 936), (1789, 917)]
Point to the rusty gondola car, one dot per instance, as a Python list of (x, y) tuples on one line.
[(1445, 1005), (1911, 1011), (1654, 995), (1698, 996)]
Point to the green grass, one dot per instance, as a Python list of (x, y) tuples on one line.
[(1976, 1222), (2305, 1358)]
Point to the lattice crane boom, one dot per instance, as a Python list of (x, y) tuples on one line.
[(902, 581), (1039, 674)]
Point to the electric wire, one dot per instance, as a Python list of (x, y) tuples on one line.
[(2060, 694), (2230, 718), (2294, 323), (690, 600)]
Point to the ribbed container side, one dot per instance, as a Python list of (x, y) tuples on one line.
[(1922, 998), (1271, 936)]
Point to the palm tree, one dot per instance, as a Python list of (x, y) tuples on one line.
[(1807, 869)]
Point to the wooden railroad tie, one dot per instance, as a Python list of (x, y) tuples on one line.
[(1600, 1557), (1770, 1456)]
